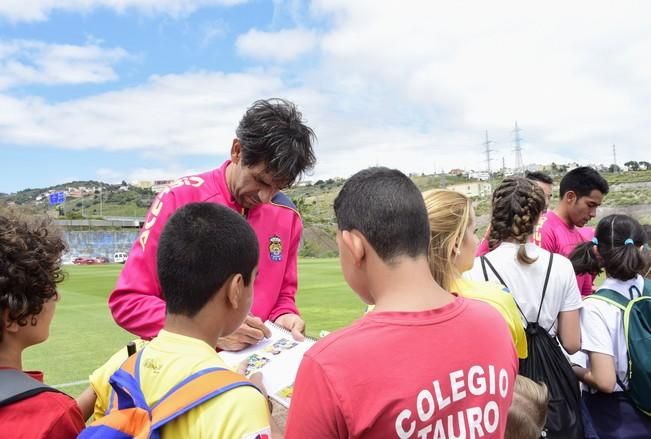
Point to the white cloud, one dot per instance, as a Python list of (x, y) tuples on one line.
[(284, 45), (39, 10), (410, 84), (193, 113), (212, 31), (24, 62), (575, 75)]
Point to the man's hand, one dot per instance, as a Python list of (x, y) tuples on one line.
[(251, 332), (293, 323)]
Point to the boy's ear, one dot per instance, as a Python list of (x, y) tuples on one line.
[(355, 243), (236, 151), (8, 327), (233, 290)]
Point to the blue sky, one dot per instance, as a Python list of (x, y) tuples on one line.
[(140, 89)]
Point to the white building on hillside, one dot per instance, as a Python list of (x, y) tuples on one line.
[(473, 188)]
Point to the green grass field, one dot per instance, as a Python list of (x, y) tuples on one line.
[(83, 334)]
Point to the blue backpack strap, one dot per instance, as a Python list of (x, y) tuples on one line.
[(125, 386), (647, 287), (612, 297), (617, 300), (193, 391)]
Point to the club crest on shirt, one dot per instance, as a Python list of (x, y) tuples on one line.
[(275, 248)]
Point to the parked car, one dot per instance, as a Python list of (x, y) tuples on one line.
[(83, 260), (120, 257), (101, 260)]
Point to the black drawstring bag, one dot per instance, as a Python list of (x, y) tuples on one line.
[(546, 363)]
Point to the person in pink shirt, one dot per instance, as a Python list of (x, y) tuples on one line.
[(273, 148), (545, 182), (424, 362), (581, 192)]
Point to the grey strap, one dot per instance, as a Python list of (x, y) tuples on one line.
[(16, 385)]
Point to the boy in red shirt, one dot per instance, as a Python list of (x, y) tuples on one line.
[(424, 363), (30, 258)]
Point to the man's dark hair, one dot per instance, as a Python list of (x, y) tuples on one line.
[(387, 208), (272, 132), (201, 247), (30, 266), (582, 181), (538, 176), (622, 259)]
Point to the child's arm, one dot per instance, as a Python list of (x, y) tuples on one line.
[(256, 379), (86, 402), (601, 375), (569, 330)]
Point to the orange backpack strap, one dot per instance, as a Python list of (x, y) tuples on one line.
[(194, 390)]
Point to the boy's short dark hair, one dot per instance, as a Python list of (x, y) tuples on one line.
[(201, 246), (272, 132), (30, 266), (388, 209), (582, 181), (538, 176)]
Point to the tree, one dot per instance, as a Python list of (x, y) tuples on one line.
[(647, 165), (614, 168), (632, 165)]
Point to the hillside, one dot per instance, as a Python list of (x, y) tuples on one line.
[(630, 193)]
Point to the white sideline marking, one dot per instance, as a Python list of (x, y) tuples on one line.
[(74, 383)]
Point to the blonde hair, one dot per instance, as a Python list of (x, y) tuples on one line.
[(528, 412), (448, 213)]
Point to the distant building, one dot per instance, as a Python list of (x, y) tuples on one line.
[(456, 171), (160, 185), (78, 192), (473, 188), (142, 184), (481, 175)]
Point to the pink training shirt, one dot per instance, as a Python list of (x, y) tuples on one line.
[(137, 302), (558, 237)]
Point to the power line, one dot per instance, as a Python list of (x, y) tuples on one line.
[(519, 165), (487, 151)]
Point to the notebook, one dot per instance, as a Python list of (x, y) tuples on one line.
[(277, 357)]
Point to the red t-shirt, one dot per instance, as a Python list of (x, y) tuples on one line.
[(50, 415), (427, 374)]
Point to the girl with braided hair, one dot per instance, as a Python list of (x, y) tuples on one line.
[(522, 266), (546, 292)]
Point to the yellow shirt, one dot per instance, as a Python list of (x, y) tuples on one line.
[(500, 299), (166, 361)]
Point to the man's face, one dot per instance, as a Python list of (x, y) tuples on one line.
[(547, 189), (581, 210), (253, 185)]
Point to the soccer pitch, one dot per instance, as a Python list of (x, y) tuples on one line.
[(83, 334)]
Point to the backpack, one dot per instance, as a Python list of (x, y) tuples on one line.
[(129, 416), (637, 332), (546, 363), (16, 386)]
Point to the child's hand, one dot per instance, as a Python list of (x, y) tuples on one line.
[(256, 379)]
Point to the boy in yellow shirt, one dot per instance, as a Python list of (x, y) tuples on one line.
[(207, 259)]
